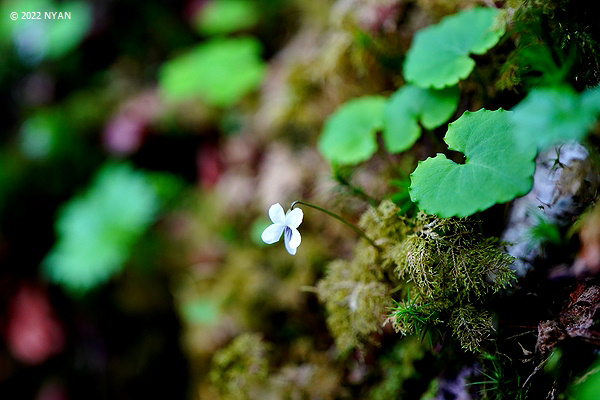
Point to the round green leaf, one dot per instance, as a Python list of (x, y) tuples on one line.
[(550, 115), (496, 170), (220, 71), (349, 133), (411, 104), (439, 55)]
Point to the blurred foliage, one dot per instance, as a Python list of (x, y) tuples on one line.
[(39, 135), (398, 367), (97, 229), (225, 16), (588, 386), (220, 71), (555, 114)]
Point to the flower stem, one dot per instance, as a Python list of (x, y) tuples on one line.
[(334, 215)]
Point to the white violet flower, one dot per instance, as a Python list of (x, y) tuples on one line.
[(285, 224)]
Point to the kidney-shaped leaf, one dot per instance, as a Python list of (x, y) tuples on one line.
[(439, 55), (550, 115), (496, 169), (349, 133), (411, 104)]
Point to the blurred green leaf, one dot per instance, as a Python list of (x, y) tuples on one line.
[(167, 187), (349, 133), (588, 387), (226, 16), (220, 71), (439, 55), (411, 104), (495, 170), (554, 114), (38, 135), (590, 99), (256, 230), (545, 230), (97, 229), (201, 311), (64, 35)]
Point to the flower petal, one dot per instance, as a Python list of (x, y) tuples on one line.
[(272, 233), (287, 238), (293, 219), (276, 214), (292, 237), (290, 250)]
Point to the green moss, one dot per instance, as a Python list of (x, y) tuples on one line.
[(317, 379), (356, 300), (239, 370), (409, 316), (444, 267), (471, 326), (451, 268), (357, 293), (384, 224)]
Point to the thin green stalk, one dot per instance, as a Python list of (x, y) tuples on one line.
[(334, 215)]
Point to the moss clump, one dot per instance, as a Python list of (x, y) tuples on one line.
[(357, 293), (410, 316), (444, 267), (384, 224), (471, 326), (239, 370), (356, 298), (317, 379), (451, 269), (447, 258)]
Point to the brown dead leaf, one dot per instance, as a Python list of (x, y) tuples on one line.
[(574, 321)]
